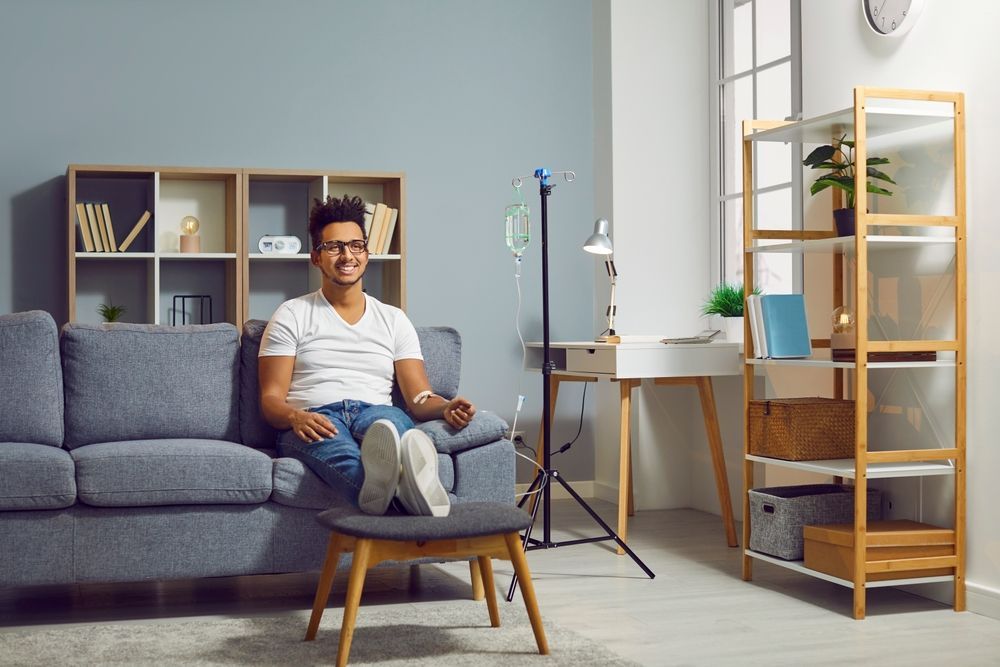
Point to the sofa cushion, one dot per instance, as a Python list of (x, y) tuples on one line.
[(485, 427), (132, 382), (31, 409), (254, 431), (295, 485), (35, 477), (141, 473)]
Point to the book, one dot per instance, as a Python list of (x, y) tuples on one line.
[(135, 231), (95, 229), (786, 333), (369, 212), (701, 338), (378, 220), (756, 326), (390, 227), (81, 216), (111, 230), (103, 226)]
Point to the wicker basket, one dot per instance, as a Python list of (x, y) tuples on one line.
[(802, 429)]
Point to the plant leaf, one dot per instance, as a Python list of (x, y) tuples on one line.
[(881, 175), (819, 154), (877, 160), (874, 189)]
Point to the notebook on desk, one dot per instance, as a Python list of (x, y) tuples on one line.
[(705, 336)]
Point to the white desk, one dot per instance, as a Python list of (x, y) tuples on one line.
[(629, 363)]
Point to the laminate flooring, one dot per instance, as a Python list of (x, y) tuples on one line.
[(697, 611)]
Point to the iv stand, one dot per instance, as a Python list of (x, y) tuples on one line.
[(548, 473)]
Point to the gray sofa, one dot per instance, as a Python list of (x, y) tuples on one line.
[(136, 452)]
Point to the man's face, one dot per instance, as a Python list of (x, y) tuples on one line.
[(338, 263)]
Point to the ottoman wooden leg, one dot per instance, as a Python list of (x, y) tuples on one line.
[(325, 583), (520, 563), (356, 582), (486, 568), (477, 580)]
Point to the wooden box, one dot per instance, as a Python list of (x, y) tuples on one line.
[(829, 549)]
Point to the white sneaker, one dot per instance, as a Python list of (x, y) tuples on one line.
[(420, 489), (380, 459)]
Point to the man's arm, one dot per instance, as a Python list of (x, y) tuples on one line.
[(275, 377), (412, 379)]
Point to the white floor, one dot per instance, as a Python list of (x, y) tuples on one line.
[(697, 611)]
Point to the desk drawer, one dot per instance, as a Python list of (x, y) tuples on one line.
[(591, 360)]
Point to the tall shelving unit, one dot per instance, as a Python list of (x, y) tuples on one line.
[(235, 208), (878, 114)]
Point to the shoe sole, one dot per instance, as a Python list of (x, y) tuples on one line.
[(380, 460), (420, 488)]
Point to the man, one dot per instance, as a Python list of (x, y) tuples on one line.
[(327, 363)]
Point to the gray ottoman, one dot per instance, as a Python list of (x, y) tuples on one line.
[(480, 530)]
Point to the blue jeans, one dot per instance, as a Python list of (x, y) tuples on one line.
[(337, 460)]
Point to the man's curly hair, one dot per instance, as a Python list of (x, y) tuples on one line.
[(346, 209)]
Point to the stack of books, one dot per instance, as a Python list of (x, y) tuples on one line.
[(380, 224), (778, 326), (97, 231)]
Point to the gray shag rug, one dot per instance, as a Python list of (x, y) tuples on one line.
[(453, 633)]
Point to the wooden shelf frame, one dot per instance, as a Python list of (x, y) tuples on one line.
[(152, 268), (870, 116)]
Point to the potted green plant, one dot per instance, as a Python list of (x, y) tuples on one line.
[(111, 312), (726, 301), (841, 169)]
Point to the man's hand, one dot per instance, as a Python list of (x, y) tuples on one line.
[(311, 426), (458, 412)]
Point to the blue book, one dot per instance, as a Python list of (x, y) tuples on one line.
[(786, 333)]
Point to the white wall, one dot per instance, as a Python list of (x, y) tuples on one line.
[(652, 171), (951, 47)]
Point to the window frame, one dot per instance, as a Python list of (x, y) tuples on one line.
[(721, 29)]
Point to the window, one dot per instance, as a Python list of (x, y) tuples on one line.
[(757, 74)]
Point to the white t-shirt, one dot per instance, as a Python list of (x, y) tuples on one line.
[(334, 360)]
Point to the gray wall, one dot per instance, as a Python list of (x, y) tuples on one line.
[(459, 95)]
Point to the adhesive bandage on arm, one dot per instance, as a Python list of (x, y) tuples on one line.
[(422, 397)]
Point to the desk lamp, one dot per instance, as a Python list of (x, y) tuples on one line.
[(600, 244)]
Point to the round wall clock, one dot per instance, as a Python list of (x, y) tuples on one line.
[(891, 18)]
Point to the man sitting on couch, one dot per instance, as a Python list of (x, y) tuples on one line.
[(326, 366)]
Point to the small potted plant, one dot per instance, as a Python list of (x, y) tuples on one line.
[(840, 167), (726, 301), (111, 312)]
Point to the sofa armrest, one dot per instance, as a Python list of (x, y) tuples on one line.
[(485, 427)]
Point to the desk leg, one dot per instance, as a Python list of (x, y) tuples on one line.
[(625, 459), (718, 458)]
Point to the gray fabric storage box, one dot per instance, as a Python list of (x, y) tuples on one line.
[(778, 513)]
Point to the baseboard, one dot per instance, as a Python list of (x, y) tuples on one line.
[(584, 488), (982, 600)]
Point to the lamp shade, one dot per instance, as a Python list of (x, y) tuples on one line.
[(598, 243)]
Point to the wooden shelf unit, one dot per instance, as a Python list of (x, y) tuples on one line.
[(277, 202), (235, 208), (877, 112)]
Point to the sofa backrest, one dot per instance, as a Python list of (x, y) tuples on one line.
[(31, 393), (441, 347), (146, 381)]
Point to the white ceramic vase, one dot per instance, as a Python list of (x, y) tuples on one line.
[(733, 328)]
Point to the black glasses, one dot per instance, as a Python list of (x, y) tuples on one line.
[(356, 247)]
